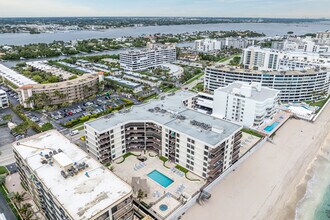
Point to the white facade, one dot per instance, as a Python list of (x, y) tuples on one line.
[(4, 103), (207, 45), (248, 104), (201, 143), (270, 59), (295, 86), (152, 56), (14, 77), (66, 183)]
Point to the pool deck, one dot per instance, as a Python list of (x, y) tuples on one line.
[(157, 193), (280, 117)]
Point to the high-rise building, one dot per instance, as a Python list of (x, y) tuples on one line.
[(257, 58), (66, 183), (153, 55), (201, 143), (295, 86), (207, 45), (248, 104)]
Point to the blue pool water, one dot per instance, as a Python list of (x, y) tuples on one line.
[(269, 128), (160, 178)]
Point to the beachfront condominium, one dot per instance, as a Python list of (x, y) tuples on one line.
[(295, 86), (66, 183), (257, 58), (203, 144), (37, 95), (249, 104), (153, 55), (4, 103)]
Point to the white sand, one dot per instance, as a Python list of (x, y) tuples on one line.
[(262, 186)]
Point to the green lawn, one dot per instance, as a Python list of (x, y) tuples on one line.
[(254, 133), (194, 78), (3, 170)]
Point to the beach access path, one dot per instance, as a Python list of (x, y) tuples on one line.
[(261, 187)]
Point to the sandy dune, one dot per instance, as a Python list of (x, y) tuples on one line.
[(266, 185)]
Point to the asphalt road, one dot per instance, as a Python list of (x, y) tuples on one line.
[(5, 209)]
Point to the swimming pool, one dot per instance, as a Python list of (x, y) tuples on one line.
[(160, 178), (269, 128)]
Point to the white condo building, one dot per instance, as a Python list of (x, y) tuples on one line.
[(207, 45), (153, 55), (203, 144), (295, 86), (249, 104), (270, 59), (4, 103), (67, 184)]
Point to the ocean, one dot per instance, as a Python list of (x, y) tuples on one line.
[(315, 205)]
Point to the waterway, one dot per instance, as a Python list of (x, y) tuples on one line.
[(270, 29)]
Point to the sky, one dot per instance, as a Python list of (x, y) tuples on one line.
[(205, 8)]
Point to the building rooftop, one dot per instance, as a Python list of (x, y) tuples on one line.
[(123, 82), (44, 66), (252, 91), (77, 81), (171, 112), (15, 77), (81, 195), (282, 73)]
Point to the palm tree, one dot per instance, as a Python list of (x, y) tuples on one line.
[(19, 197), (26, 211)]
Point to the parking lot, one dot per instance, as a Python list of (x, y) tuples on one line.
[(97, 105)]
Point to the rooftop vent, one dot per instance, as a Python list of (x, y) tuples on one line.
[(201, 124)]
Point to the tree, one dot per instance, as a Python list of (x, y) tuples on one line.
[(140, 195), (2, 180), (26, 211), (47, 126), (19, 197)]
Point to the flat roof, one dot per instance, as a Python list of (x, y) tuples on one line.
[(15, 77), (77, 81), (171, 112), (262, 95), (81, 196), (281, 72), (123, 82)]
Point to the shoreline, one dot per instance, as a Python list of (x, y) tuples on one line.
[(302, 193), (267, 185)]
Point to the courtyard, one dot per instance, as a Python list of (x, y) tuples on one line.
[(164, 188)]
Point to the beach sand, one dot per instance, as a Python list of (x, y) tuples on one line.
[(271, 181)]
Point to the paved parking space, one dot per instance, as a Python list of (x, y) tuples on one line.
[(99, 104)]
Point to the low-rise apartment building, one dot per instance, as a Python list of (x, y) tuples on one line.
[(295, 86), (153, 55), (67, 184), (203, 144), (4, 103), (13, 77), (249, 104), (61, 92)]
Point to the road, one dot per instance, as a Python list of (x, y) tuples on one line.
[(5, 209)]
